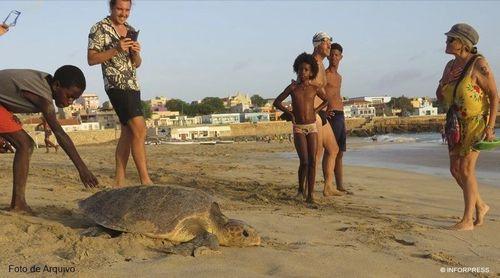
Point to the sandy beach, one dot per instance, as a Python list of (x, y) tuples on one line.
[(392, 226)]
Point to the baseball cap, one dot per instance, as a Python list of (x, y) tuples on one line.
[(319, 37)]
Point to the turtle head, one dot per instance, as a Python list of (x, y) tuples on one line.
[(239, 233)]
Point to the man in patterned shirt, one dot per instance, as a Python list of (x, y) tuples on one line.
[(119, 55)]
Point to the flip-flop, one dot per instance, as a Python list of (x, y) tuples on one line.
[(487, 145)]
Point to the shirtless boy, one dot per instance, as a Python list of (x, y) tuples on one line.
[(31, 91), (335, 109), (303, 117)]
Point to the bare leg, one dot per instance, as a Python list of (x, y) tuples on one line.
[(470, 190), (121, 155), (300, 142), (339, 172), (24, 148), (481, 207), (481, 210), (331, 151), (138, 128), (455, 169), (49, 144), (312, 145)]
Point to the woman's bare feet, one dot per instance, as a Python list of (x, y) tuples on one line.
[(463, 226), (480, 213), (330, 191)]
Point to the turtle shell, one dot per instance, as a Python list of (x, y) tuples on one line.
[(167, 211)]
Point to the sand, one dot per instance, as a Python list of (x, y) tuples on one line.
[(391, 226)]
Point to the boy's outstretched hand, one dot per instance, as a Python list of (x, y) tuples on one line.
[(88, 179)]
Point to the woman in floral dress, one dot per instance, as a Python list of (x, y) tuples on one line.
[(476, 100)]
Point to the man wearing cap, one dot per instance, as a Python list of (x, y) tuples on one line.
[(327, 143), (468, 83), (119, 57)]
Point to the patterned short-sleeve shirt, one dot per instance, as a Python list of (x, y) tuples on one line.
[(119, 71)]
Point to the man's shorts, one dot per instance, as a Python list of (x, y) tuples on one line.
[(8, 122), (127, 104), (337, 121)]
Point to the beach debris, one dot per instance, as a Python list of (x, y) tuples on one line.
[(442, 258), (343, 229), (405, 240), (257, 197), (175, 213)]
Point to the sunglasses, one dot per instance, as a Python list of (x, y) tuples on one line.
[(450, 39)]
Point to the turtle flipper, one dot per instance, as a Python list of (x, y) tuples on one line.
[(205, 243)]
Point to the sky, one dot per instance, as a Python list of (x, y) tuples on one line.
[(195, 49)]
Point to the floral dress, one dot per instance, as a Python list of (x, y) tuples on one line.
[(473, 107)]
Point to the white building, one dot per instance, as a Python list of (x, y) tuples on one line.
[(157, 102), (373, 100), (107, 119), (423, 107), (425, 111), (239, 98), (191, 133), (163, 114), (69, 125), (254, 117), (347, 111), (90, 126), (221, 119), (240, 108), (70, 111), (360, 108), (89, 102), (178, 121), (363, 111)]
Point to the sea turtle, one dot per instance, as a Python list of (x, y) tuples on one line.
[(178, 214)]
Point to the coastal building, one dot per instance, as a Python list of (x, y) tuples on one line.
[(239, 98), (240, 108), (157, 103), (190, 133), (88, 102), (87, 116), (372, 100), (30, 124), (423, 107), (177, 120), (267, 108), (360, 108), (221, 119), (163, 113), (70, 111), (254, 117), (107, 119), (347, 111)]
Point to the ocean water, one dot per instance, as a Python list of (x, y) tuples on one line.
[(419, 152)]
